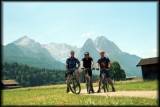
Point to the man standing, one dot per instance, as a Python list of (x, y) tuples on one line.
[(71, 63), (87, 64), (104, 64)]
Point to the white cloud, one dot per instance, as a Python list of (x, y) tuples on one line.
[(88, 35), (154, 52), (151, 53), (143, 53)]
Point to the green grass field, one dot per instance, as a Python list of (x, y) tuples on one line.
[(55, 95)]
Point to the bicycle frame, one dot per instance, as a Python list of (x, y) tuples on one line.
[(73, 83), (87, 79), (104, 81)]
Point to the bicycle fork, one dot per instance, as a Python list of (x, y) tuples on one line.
[(88, 83), (105, 83)]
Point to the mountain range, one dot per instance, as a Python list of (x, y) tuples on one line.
[(53, 55), (28, 51)]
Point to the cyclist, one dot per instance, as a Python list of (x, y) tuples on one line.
[(104, 64), (87, 64), (71, 63)]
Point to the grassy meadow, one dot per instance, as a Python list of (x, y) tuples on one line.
[(56, 95)]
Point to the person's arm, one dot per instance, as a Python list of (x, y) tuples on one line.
[(78, 63), (98, 65), (78, 72), (67, 64), (98, 62), (109, 63), (82, 63), (92, 63)]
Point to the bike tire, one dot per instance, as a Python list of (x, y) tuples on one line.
[(75, 86), (104, 87), (88, 87)]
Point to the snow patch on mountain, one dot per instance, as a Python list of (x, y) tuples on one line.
[(60, 51)]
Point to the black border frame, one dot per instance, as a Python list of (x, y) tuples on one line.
[(1, 39)]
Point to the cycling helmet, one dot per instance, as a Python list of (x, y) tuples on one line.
[(86, 53)]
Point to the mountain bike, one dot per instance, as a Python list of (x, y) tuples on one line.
[(88, 80), (73, 82), (104, 81)]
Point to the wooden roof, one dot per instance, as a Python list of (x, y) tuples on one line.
[(148, 61), (9, 82)]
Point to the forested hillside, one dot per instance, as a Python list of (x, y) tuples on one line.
[(31, 76)]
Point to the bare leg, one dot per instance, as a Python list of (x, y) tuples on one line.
[(91, 84), (78, 75), (99, 89), (68, 79), (106, 84), (111, 83)]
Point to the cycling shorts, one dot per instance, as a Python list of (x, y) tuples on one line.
[(106, 72)]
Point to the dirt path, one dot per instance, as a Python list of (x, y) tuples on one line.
[(143, 94)]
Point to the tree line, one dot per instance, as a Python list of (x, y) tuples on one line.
[(117, 73), (30, 76)]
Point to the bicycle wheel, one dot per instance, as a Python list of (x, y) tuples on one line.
[(104, 82), (88, 86), (75, 86), (104, 87), (107, 87)]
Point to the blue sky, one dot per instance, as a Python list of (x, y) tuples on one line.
[(130, 25)]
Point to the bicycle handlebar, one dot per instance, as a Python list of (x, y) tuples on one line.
[(73, 69), (95, 68), (88, 68), (102, 68)]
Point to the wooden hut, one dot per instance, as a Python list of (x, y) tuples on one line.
[(149, 68), (9, 84)]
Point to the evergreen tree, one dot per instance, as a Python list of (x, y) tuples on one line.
[(117, 73)]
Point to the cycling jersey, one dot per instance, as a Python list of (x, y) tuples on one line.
[(106, 72), (87, 62), (71, 63), (103, 62)]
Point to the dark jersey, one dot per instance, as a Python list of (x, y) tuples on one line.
[(87, 62), (71, 62), (103, 62)]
